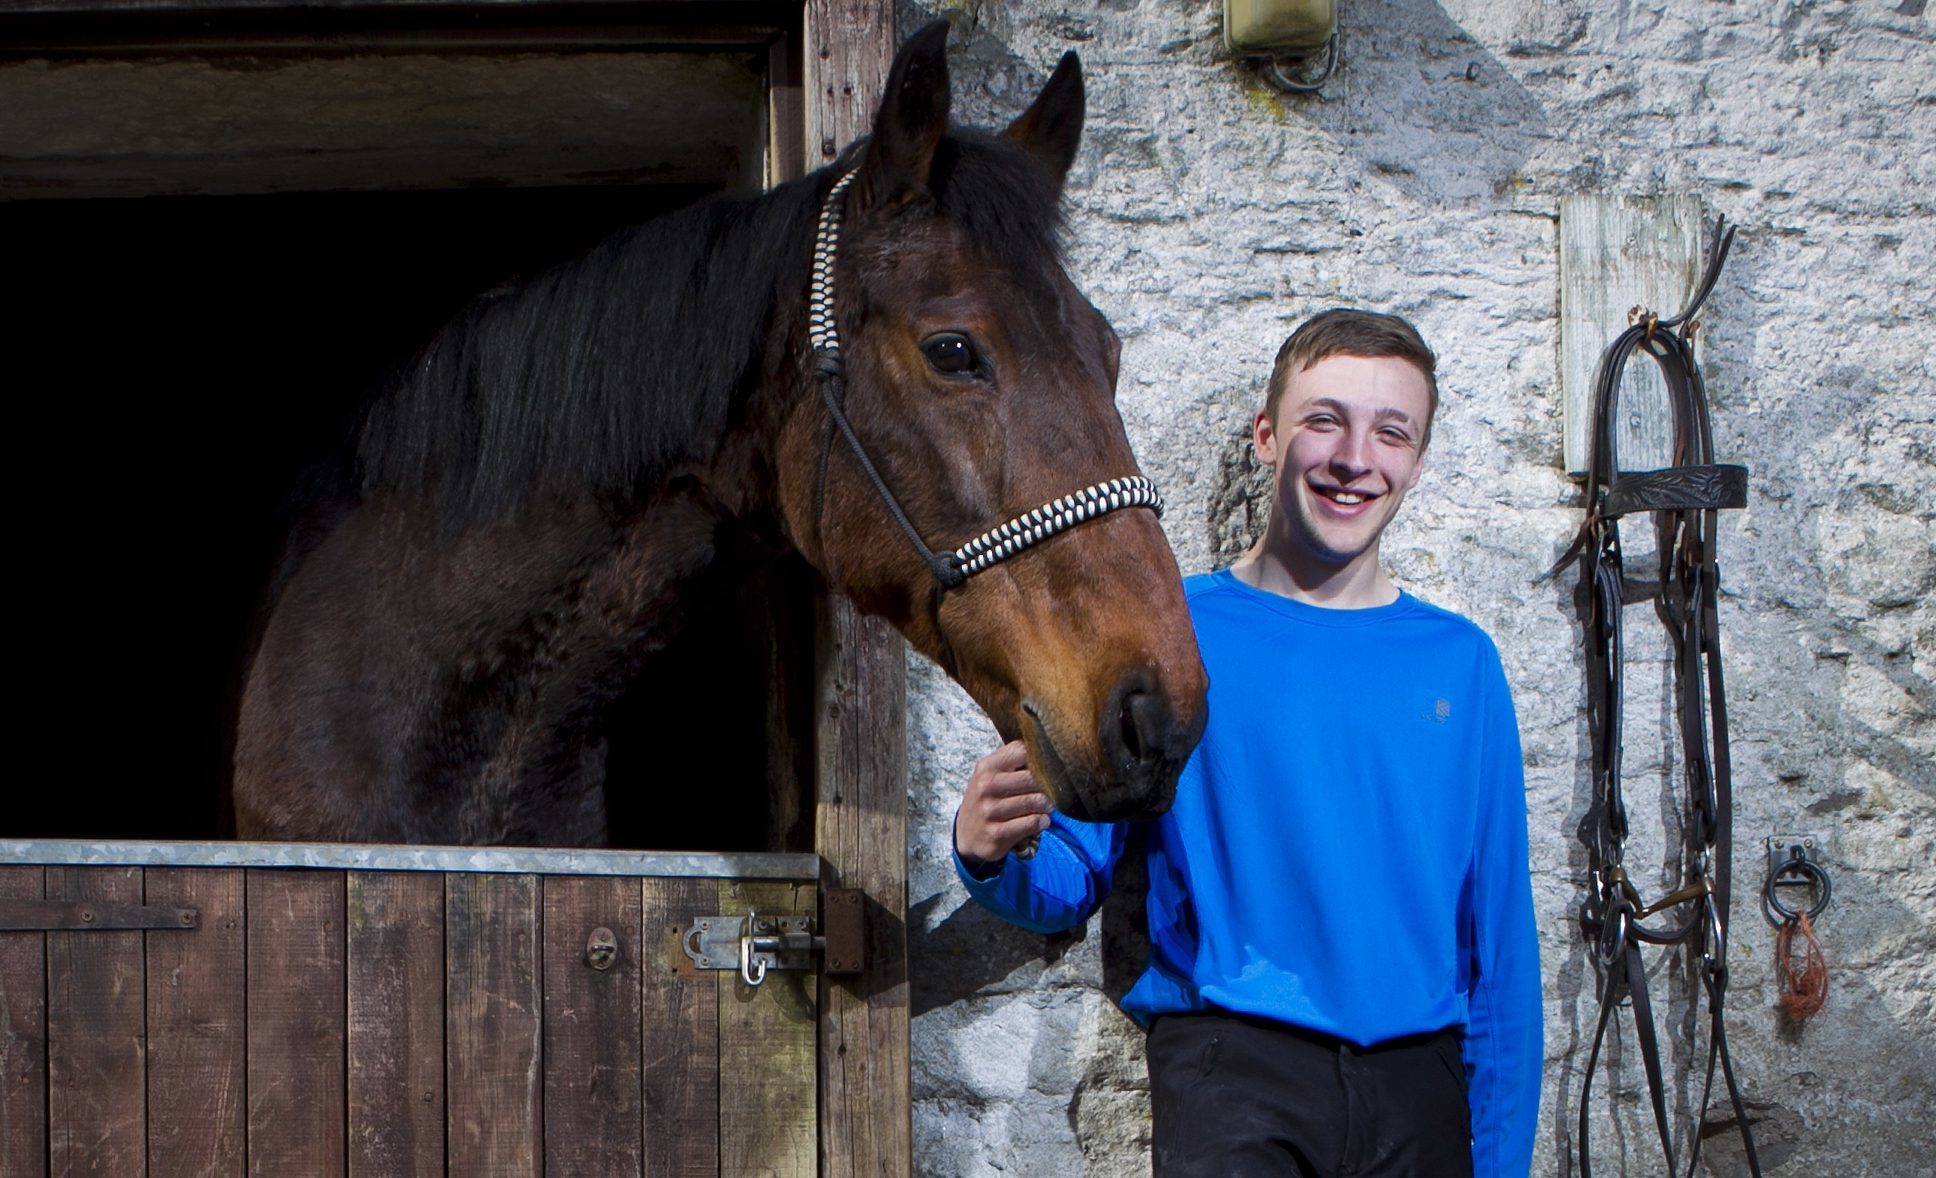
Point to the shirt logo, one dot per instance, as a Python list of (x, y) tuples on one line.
[(1442, 710)]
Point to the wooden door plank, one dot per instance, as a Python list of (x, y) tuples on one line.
[(296, 1028), (394, 950), (679, 1017), (96, 1033), (196, 1026), (592, 1098), (493, 1033), (23, 1033), (767, 1124)]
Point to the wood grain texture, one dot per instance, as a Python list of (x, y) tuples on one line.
[(394, 959), (866, 1116), (493, 1035), (766, 1051), (866, 1113), (96, 1034), (23, 1034), (1617, 253), (296, 1025), (862, 760), (197, 1026), (593, 1103), (679, 1028)]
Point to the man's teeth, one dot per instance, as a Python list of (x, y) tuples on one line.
[(1347, 497)]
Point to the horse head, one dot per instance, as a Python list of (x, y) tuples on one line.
[(981, 385)]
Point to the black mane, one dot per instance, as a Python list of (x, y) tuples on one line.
[(602, 373)]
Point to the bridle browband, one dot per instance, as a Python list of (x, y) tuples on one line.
[(996, 544), (1684, 499)]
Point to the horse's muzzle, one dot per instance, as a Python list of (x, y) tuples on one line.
[(1143, 745)]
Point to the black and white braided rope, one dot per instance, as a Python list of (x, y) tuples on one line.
[(1031, 528), (821, 332), (997, 544)]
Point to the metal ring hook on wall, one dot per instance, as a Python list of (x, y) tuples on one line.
[(1274, 69), (1794, 871)]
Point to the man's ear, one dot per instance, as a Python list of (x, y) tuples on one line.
[(910, 122), (1263, 436)]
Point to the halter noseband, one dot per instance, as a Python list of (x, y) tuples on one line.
[(995, 545)]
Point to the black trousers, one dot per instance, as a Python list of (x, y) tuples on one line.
[(1234, 1097)]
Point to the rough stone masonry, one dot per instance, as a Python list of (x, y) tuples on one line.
[(1210, 213)]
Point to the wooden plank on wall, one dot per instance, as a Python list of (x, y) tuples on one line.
[(679, 1025), (493, 1034), (197, 1026), (394, 931), (23, 1033), (593, 1107), (1617, 253), (296, 1022), (96, 1033), (866, 1124), (766, 1050)]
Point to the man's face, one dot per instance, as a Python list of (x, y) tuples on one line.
[(1346, 445)]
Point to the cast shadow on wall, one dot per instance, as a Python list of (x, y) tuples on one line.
[(971, 951), (1423, 105)]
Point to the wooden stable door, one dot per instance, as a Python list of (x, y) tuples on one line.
[(391, 1022)]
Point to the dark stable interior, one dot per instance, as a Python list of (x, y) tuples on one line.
[(173, 365)]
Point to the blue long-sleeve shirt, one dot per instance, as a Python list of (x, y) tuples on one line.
[(1347, 851)]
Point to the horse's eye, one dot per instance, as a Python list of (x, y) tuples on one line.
[(952, 353)]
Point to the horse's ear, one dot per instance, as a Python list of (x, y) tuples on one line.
[(911, 121), (1051, 128)]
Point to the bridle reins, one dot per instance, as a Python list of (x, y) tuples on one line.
[(1684, 499), (953, 568)]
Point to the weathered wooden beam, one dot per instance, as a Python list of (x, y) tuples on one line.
[(766, 1050), (494, 1034), (91, 916), (1617, 253), (593, 1044), (197, 1026), (394, 968), (23, 1033), (97, 1035), (679, 1006), (297, 1024), (866, 1120)]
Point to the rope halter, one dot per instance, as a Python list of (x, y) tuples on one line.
[(996, 544)]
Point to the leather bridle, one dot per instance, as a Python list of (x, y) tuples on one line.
[(1684, 499), (997, 544)]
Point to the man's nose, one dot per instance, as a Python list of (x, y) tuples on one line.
[(1352, 455)]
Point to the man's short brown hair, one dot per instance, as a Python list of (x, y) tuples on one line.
[(1347, 331)]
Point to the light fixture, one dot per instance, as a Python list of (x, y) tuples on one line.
[(1301, 34)]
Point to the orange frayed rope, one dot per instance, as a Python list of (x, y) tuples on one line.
[(1804, 992)]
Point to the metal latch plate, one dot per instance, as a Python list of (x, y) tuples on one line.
[(751, 944)]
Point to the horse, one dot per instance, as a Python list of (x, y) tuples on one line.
[(879, 362)]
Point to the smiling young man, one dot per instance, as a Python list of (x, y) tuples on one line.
[(1343, 973)]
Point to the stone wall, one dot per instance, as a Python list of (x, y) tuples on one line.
[(1210, 214)]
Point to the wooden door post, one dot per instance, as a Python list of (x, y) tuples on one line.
[(866, 1119)]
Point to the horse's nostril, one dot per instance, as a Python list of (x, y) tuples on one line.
[(1143, 726), (1132, 736)]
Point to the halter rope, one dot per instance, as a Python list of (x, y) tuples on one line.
[(996, 544)]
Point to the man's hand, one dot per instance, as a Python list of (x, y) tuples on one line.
[(1001, 807)]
